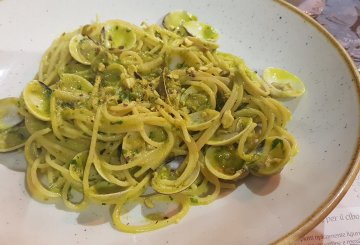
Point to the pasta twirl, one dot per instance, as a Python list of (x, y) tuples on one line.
[(121, 114)]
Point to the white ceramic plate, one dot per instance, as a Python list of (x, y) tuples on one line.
[(265, 33)]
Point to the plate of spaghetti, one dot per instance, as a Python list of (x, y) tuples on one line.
[(193, 122)]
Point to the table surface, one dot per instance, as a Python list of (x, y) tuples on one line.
[(342, 19)]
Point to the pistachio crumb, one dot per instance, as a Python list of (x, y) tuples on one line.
[(129, 82), (227, 119), (187, 42), (101, 67)]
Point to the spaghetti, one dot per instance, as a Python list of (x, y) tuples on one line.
[(119, 114)]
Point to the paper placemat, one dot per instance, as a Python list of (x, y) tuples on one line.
[(342, 225)]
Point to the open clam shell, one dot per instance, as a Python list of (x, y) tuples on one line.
[(13, 133), (116, 35), (283, 84), (37, 99), (224, 162), (83, 49), (9, 115), (202, 119)]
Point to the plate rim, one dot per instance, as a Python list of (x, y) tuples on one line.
[(353, 169)]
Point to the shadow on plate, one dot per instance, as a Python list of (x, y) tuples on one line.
[(14, 161), (292, 103), (95, 215), (92, 215), (262, 186)]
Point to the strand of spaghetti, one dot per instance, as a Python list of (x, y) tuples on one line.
[(49, 55), (184, 115), (178, 152), (145, 111), (68, 130), (54, 178), (122, 108), (210, 56), (140, 160), (181, 199), (212, 179), (53, 62), (94, 92), (192, 58), (54, 118), (253, 87), (128, 118), (166, 115), (205, 88), (64, 171), (179, 121), (37, 184), (186, 178), (290, 138), (242, 141), (120, 196), (71, 205), (60, 152), (211, 130), (264, 106), (164, 31), (268, 110), (224, 79), (112, 179), (28, 151), (99, 168), (90, 158), (70, 96), (129, 177), (34, 192), (239, 99), (216, 81), (197, 189), (80, 114), (285, 113), (155, 49), (144, 135), (156, 120), (81, 125), (204, 59), (164, 49), (131, 57), (251, 112), (140, 45), (159, 158), (149, 66)]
